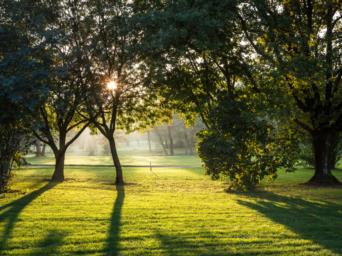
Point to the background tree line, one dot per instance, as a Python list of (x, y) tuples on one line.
[(172, 138)]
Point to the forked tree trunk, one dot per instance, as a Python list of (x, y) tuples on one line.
[(119, 175), (322, 144), (58, 174)]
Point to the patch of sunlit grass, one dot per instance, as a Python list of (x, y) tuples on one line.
[(167, 212)]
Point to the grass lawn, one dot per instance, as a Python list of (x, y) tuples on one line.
[(126, 158), (173, 212)]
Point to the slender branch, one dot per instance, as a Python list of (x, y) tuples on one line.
[(77, 135), (40, 138), (75, 125)]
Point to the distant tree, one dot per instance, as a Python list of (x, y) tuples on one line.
[(163, 134), (39, 147), (185, 133), (183, 136), (149, 141), (171, 143)]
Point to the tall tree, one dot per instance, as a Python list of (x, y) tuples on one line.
[(197, 56), (63, 110), (119, 98), (23, 80), (302, 41)]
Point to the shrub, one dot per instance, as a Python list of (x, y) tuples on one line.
[(245, 147)]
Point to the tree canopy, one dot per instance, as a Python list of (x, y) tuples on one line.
[(261, 75)]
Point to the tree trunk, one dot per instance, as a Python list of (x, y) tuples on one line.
[(43, 149), (38, 148), (192, 141), (170, 140), (322, 144), (186, 142), (58, 174), (5, 168), (149, 141), (119, 176), (160, 138)]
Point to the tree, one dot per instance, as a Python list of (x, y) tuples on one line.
[(301, 40), (165, 138), (200, 65), (23, 83), (119, 98), (149, 141), (247, 144), (63, 110), (182, 135)]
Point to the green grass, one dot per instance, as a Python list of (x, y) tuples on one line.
[(172, 212), (126, 158)]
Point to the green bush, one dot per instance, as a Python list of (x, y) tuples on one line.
[(245, 147)]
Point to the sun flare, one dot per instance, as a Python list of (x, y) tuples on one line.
[(111, 85)]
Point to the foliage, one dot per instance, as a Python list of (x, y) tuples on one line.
[(110, 50), (203, 69), (64, 109), (189, 58), (300, 40), (262, 64), (288, 50), (23, 85), (306, 155), (246, 145)]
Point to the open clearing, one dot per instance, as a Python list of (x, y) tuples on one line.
[(127, 157), (167, 212)]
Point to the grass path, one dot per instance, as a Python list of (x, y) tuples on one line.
[(178, 212)]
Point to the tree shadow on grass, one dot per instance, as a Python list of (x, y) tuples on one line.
[(50, 244), (112, 247), (318, 222), (178, 245), (11, 211)]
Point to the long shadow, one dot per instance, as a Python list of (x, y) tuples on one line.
[(11, 211), (112, 247), (50, 244), (178, 245), (318, 222), (171, 243)]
